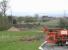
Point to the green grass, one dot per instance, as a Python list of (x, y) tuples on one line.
[(11, 40)]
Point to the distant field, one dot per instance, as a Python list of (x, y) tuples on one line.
[(51, 23), (11, 40)]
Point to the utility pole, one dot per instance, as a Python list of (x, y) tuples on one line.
[(64, 13)]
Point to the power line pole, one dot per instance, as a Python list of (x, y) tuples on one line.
[(64, 13)]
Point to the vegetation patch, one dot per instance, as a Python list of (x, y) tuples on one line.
[(11, 40)]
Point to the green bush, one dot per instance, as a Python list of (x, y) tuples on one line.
[(2, 28), (4, 23)]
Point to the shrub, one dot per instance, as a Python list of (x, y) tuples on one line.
[(2, 28)]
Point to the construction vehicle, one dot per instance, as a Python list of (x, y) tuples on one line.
[(55, 37), (59, 38)]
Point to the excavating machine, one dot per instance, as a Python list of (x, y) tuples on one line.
[(55, 37)]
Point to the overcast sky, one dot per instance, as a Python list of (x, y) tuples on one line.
[(31, 7)]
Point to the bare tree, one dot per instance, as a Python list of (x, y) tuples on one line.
[(3, 6), (3, 9)]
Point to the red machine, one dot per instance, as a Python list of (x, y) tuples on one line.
[(59, 36)]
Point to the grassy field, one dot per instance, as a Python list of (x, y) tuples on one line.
[(11, 40)]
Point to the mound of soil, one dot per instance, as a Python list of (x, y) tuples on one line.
[(13, 29)]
